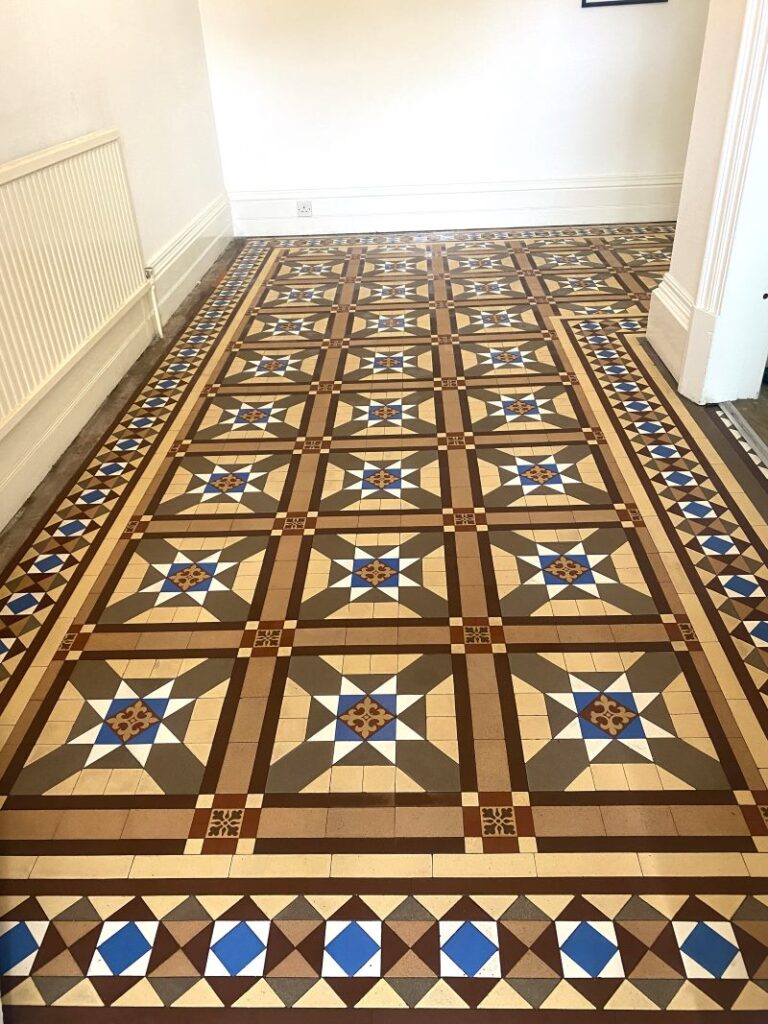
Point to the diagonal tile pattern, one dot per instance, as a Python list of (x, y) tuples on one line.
[(403, 646)]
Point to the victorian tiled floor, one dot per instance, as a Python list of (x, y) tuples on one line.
[(402, 652)]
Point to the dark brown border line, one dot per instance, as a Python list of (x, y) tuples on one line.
[(211, 1015)]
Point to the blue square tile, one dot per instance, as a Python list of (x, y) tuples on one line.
[(123, 948), (709, 949), (588, 948), (469, 948), (16, 945), (352, 948), (238, 948)]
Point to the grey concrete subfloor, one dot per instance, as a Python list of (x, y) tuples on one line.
[(754, 412), (26, 520)]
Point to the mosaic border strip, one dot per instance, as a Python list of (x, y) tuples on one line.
[(662, 446), (536, 952)]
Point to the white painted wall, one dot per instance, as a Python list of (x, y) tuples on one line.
[(71, 67), (708, 319), (446, 113)]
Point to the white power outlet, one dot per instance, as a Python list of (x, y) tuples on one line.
[(304, 208)]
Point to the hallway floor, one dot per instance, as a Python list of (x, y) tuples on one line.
[(405, 644)]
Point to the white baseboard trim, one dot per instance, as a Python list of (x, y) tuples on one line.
[(48, 426), (669, 323), (475, 205), (40, 433), (180, 264)]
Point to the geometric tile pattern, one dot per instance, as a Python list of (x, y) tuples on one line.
[(404, 645), (534, 953)]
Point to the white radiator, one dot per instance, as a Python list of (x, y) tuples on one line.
[(70, 263)]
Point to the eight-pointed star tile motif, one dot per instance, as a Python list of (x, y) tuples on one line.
[(626, 715), (275, 365), (546, 475), (381, 480), (380, 719), (539, 574), (364, 576), (251, 417), (486, 359), (225, 485), (134, 718), (413, 362), (192, 580), (519, 319), (381, 413), (511, 409)]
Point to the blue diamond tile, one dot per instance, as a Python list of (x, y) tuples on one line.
[(469, 948), (679, 479), (664, 451), (760, 632), (124, 948), (238, 948), (649, 427), (71, 527), (717, 544), (111, 469), (709, 949), (22, 604), (97, 497), (352, 948), (697, 510), (16, 945), (47, 564), (588, 948), (741, 585)]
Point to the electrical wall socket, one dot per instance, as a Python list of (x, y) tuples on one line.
[(304, 208)]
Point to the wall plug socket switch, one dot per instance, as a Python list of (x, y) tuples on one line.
[(304, 208)]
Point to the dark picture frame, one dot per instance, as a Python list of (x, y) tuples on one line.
[(618, 3)]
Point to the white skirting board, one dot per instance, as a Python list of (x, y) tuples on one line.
[(611, 200), (669, 323), (180, 264), (53, 421), (43, 430)]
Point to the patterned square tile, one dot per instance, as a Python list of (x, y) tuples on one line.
[(384, 413), (224, 485), (527, 407), (633, 710), (546, 475), (148, 722), (359, 576), (382, 480), (579, 572), (393, 720), (186, 579), (251, 417)]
